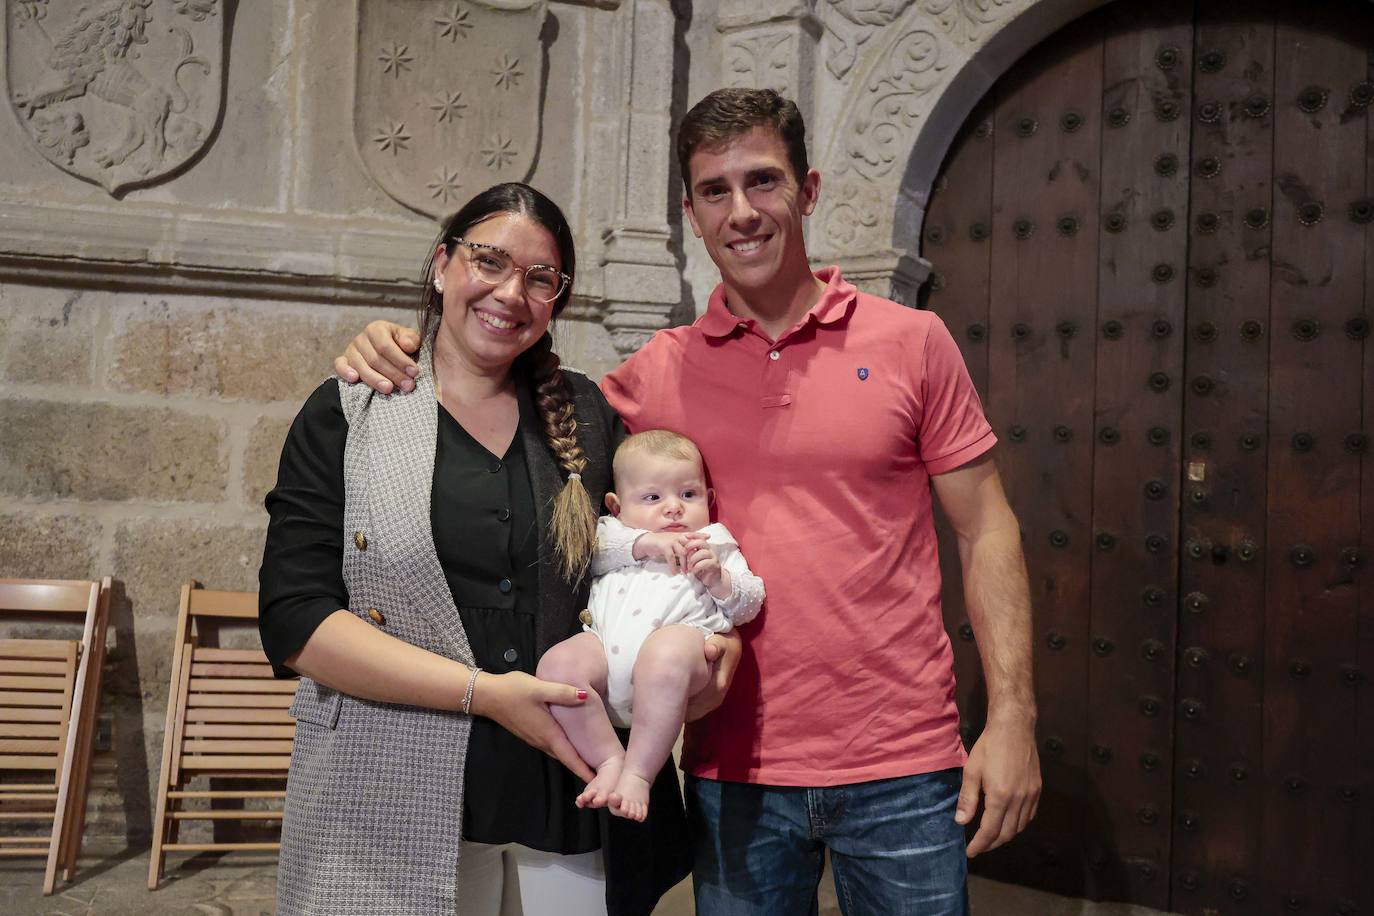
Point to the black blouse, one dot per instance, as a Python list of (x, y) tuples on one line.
[(482, 514)]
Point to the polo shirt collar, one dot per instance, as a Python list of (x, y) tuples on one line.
[(833, 305)]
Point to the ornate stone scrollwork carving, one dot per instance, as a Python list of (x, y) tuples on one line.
[(121, 94), (880, 132), (771, 45), (851, 23), (446, 96), (761, 61), (966, 21), (852, 223)]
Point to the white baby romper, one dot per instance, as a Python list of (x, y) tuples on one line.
[(632, 598)]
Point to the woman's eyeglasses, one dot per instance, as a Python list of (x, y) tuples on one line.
[(492, 265)]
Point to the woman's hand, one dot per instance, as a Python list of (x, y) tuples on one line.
[(519, 703), (723, 651), (378, 357)]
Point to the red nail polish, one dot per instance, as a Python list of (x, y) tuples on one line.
[(582, 694)]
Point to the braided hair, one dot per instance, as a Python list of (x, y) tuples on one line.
[(574, 517)]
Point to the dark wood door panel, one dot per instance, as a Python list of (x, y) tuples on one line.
[(1156, 262), (1218, 757), (1139, 332), (1310, 755), (1043, 290), (959, 227)]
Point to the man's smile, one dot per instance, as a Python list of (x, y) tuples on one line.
[(746, 246)]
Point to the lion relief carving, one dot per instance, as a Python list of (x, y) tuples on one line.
[(105, 56)]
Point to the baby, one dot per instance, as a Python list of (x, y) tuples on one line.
[(665, 580)]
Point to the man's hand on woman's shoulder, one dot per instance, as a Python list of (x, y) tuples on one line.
[(380, 358)]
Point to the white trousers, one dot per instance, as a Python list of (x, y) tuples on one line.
[(514, 880)]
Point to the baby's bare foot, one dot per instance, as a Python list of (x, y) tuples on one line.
[(598, 791), (631, 797)]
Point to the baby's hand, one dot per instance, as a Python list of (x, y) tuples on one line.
[(705, 565), (671, 547)]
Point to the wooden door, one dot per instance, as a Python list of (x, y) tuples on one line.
[(1152, 241)]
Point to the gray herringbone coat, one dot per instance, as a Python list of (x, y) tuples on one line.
[(375, 795)]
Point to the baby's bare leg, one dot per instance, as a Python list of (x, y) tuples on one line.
[(670, 667), (581, 661)]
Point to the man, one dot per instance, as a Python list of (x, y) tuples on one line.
[(826, 417)]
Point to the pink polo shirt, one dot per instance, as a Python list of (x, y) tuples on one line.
[(820, 447)]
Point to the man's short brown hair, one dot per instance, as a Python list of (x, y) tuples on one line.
[(728, 113)]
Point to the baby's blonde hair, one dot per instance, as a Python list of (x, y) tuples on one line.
[(661, 443)]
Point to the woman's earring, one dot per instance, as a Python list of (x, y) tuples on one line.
[(438, 287)]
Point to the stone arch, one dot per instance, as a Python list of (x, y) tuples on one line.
[(965, 89), (913, 87)]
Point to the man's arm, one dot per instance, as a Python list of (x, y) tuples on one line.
[(1003, 766)]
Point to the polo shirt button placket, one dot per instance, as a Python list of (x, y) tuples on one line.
[(775, 392)]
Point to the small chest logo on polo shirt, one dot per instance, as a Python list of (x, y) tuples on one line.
[(863, 373)]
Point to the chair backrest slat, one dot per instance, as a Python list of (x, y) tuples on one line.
[(241, 700), (34, 648), (29, 730), (30, 745), (62, 596), (208, 603), (45, 762), (255, 762), (227, 669), (211, 746), (228, 714), (26, 666), (238, 685), (32, 698), (233, 730), (243, 656)]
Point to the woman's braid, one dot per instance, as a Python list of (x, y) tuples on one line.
[(574, 518)]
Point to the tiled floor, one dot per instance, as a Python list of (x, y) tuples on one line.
[(112, 882)]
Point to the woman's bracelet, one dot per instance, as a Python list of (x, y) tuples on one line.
[(466, 708)]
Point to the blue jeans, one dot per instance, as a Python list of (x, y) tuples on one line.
[(894, 847)]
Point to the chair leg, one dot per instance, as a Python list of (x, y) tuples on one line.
[(76, 819), (86, 753), (159, 833)]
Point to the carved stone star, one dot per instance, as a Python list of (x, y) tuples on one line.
[(396, 59), (508, 72), (392, 138), (498, 154), (454, 24), (444, 186), (449, 105)]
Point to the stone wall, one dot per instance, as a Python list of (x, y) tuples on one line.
[(171, 289), (141, 434), (167, 304)]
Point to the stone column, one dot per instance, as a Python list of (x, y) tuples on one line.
[(771, 44), (891, 274), (642, 281)]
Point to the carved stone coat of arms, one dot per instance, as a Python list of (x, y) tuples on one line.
[(447, 96), (117, 92)]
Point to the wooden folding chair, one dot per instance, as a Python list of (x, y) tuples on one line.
[(49, 699), (227, 720)]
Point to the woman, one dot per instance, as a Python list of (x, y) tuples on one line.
[(423, 552)]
